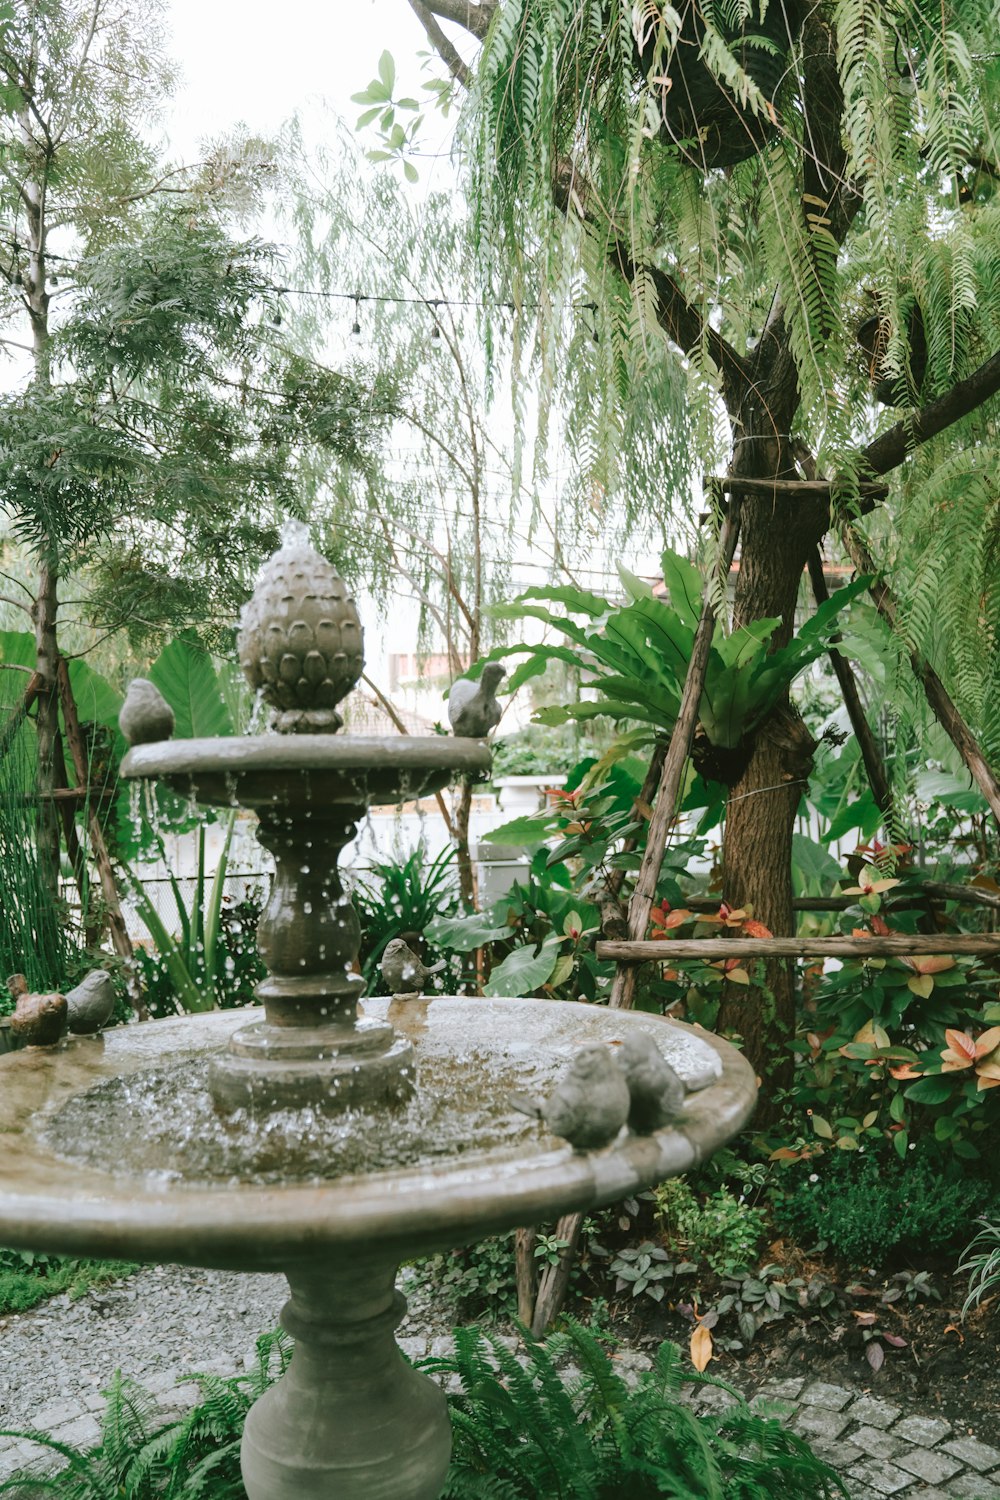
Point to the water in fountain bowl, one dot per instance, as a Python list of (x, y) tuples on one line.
[(161, 1122)]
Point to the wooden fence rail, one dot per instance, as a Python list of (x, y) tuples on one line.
[(899, 945)]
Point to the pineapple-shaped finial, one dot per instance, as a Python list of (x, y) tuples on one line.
[(300, 639)]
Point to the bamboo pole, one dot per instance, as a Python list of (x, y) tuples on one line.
[(109, 886), (870, 752), (937, 695), (623, 988), (897, 945), (803, 489), (913, 895)]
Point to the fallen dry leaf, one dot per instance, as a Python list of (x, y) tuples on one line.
[(701, 1347)]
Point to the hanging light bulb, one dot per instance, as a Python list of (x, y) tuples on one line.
[(356, 327)]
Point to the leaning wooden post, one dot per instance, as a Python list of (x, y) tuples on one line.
[(109, 886), (870, 752), (555, 1280), (641, 904), (941, 704)]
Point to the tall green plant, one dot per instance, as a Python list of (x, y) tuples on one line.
[(191, 953)]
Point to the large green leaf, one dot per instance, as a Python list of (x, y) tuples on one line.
[(524, 970), (186, 677), (814, 870), (462, 934), (684, 585), (97, 702), (17, 651), (533, 830)]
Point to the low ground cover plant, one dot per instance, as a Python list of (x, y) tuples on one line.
[(28, 1277), (524, 1427)]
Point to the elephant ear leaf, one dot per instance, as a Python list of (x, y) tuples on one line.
[(185, 675), (524, 970)]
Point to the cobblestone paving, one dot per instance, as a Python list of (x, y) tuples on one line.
[(877, 1448)]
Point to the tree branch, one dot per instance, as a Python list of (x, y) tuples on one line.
[(685, 326), (940, 701), (870, 752), (472, 18), (888, 451), (401, 726), (442, 44)]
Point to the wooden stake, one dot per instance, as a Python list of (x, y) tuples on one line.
[(942, 706), (555, 1279), (870, 752), (109, 886), (526, 1270), (623, 988)]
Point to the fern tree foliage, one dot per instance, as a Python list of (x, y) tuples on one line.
[(452, 500), (791, 205), (871, 210)]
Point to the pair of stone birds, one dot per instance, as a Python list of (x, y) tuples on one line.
[(473, 709), (42, 1020), (600, 1092)]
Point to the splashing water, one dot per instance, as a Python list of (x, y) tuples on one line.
[(161, 1122)]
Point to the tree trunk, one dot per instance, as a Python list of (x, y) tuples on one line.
[(777, 536), (99, 850), (44, 612)]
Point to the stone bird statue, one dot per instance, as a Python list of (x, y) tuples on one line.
[(590, 1103), (403, 971), (472, 706), (91, 1003), (145, 716), (38, 1020), (655, 1091)]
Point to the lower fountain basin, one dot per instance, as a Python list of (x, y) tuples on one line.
[(467, 1165)]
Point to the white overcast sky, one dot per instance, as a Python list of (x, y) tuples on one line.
[(244, 61)]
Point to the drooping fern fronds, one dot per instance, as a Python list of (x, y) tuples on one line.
[(523, 1429)]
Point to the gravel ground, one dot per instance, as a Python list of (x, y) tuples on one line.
[(159, 1324)]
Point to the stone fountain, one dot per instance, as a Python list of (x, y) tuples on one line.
[(313, 1139)]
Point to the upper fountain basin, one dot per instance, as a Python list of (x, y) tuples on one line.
[(297, 771), (484, 1169)]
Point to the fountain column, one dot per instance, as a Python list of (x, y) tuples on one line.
[(312, 1050), (350, 1419)]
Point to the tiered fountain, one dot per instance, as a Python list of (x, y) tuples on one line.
[(315, 1141)]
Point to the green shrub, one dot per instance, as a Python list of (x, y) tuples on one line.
[(720, 1231), (521, 1432), (867, 1205), (237, 971), (402, 898)]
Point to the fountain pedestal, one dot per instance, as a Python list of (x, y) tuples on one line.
[(350, 1420), (312, 1050)]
